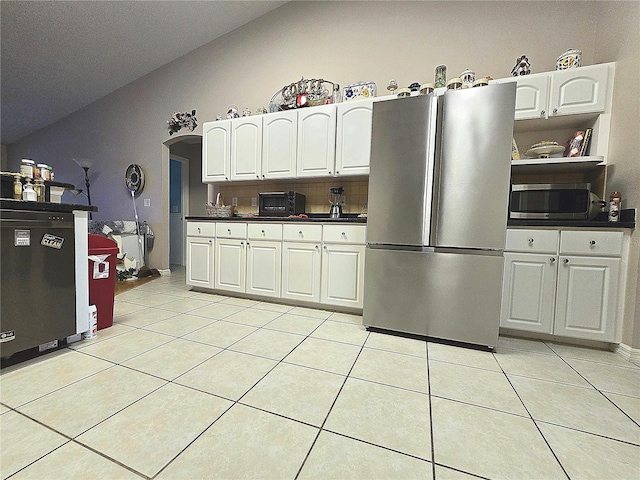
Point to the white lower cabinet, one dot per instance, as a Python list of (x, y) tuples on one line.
[(200, 262), (568, 287), (529, 291), (230, 264), (301, 267), (311, 263), (342, 275), (264, 268), (587, 295)]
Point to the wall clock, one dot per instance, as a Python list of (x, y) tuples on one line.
[(134, 178)]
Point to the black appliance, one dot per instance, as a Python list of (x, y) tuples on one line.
[(37, 274), (281, 204)]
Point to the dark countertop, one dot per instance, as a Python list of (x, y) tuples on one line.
[(627, 220), (313, 218), (10, 204)]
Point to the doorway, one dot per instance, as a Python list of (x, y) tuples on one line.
[(178, 208)]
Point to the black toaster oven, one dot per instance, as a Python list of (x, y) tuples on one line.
[(281, 204)]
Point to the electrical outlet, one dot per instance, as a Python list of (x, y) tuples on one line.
[(254, 201), (147, 202), (234, 201)]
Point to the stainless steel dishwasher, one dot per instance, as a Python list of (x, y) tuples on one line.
[(37, 274)]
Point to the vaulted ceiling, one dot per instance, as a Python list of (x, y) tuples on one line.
[(59, 56)]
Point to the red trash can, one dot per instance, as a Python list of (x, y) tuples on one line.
[(103, 254)]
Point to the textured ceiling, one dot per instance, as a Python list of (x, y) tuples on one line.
[(59, 56)]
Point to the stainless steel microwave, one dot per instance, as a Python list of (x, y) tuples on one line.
[(573, 201), (281, 204)]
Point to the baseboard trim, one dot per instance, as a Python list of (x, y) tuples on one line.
[(164, 272), (631, 354)]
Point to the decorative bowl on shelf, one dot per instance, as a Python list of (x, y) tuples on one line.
[(545, 150)]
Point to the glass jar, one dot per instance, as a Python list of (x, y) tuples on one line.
[(39, 188), (17, 188), (441, 76), (26, 167), (44, 171)]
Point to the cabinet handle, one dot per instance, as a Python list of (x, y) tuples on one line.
[(344, 234), (552, 259), (242, 244), (210, 241), (258, 176), (262, 232), (592, 243), (317, 248), (248, 244), (198, 229), (337, 172), (226, 178), (329, 172), (229, 230), (555, 110), (530, 240), (566, 260), (543, 113)]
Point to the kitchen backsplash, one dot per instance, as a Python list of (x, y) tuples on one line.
[(316, 192)]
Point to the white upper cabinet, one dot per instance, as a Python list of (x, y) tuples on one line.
[(316, 141), (216, 140), (353, 137), (279, 140), (579, 90), (532, 95), (562, 92), (246, 148)]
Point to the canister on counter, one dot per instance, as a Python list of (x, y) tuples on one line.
[(614, 206), (28, 193), (39, 189), (44, 171), (26, 167), (17, 187)]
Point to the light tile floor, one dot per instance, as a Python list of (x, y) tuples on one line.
[(188, 385)]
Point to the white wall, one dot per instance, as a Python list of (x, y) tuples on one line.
[(344, 42), (618, 37)]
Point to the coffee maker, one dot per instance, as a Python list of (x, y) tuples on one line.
[(336, 199)]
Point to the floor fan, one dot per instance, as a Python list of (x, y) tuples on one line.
[(134, 179)]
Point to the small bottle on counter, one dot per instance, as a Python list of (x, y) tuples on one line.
[(17, 187), (28, 193), (336, 96), (614, 207), (50, 168), (39, 188)]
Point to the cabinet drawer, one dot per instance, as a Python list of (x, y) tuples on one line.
[(231, 230), (302, 233), (264, 231), (201, 229), (591, 243), (344, 234), (534, 241)]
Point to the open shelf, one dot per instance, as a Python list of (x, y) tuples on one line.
[(557, 165)]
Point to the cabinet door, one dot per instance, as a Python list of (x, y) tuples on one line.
[(246, 148), (301, 264), (264, 268), (579, 90), (353, 137), (528, 292), (200, 262), (230, 265), (342, 275), (279, 141), (316, 141), (216, 153), (587, 297), (532, 95)]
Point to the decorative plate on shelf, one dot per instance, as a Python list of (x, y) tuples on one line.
[(545, 151)]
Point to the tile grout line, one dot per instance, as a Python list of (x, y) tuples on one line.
[(330, 408), (533, 420), (433, 446)]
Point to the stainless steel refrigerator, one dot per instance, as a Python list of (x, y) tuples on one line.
[(437, 213)]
